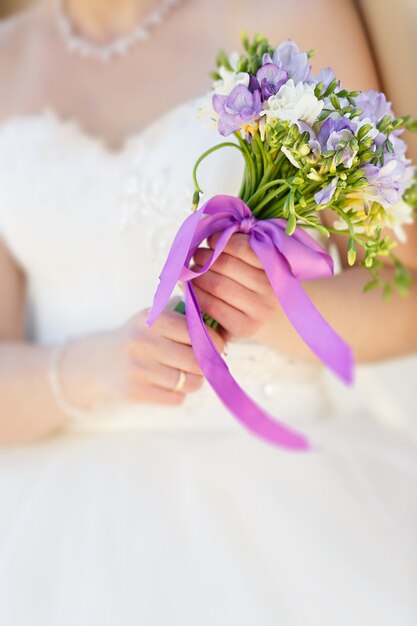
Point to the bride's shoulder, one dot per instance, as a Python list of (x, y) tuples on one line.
[(17, 36), (15, 33)]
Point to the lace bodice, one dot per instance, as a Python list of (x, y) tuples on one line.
[(91, 227)]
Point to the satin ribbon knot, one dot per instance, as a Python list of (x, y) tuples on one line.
[(247, 224), (287, 260)]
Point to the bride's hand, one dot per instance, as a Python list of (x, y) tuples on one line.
[(137, 363), (235, 291)]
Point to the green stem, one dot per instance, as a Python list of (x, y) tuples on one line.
[(261, 146), (227, 144), (269, 197), (261, 155), (209, 321), (251, 181), (261, 190)]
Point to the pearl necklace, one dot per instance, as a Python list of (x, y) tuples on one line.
[(119, 47)]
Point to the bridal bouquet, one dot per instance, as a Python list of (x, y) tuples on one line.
[(310, 148)]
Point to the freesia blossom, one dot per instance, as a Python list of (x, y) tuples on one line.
[(270, 79), (294, 102), (332, 133), (326, 76), (397, 216), (229, 80), (242, 108), (326, 194), (373, 105), (386, 183), (288, 57)]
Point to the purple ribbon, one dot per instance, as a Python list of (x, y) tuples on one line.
[(287, 260)]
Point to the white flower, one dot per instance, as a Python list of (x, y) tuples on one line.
[(229, 80), (234, 59), (372, 214), (398, 215), (290, 157), (206, 112), (294, 102)]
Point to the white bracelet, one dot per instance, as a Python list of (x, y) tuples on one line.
[(56, 385)]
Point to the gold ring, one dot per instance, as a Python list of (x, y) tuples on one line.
[(181, 381)]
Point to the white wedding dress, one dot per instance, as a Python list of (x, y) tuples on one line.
[(178, 516)]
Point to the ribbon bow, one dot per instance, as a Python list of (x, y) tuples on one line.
[(287, 260)]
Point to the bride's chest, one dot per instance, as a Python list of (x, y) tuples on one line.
[(65, 196)]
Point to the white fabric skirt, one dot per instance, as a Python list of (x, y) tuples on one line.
[(186, 519)]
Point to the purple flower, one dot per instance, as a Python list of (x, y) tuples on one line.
[(241, 107), (287, 56), (326, 194), (332, 133), (373, 105), (326, 76), (253, 83), (270, 78), (387, 183)]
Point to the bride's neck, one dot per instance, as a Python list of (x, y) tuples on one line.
[(102, 20)]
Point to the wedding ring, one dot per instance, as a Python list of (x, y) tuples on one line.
[(181, 381)]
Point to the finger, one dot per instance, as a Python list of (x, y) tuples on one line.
[(160, 375), (172, 325), (232, 320), (239, 247), (177, 356), (216, 336), (227, 290), (149, 394), (241, 272)]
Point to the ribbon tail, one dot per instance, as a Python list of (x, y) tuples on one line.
[(301, 312), (253, 417), (174, 265)]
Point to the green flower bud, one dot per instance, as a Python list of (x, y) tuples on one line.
[(303, 149), (324, 115), (331, 88), (384, 123), (222, 60), (196, 200), (352, 178), (322, 230), (364, 130), (367, 155), (313, 175), (318, 89), (335, 101), (291, 224), (351, 255), (360, 184)]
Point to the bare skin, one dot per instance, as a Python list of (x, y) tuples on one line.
[(112, 102)]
